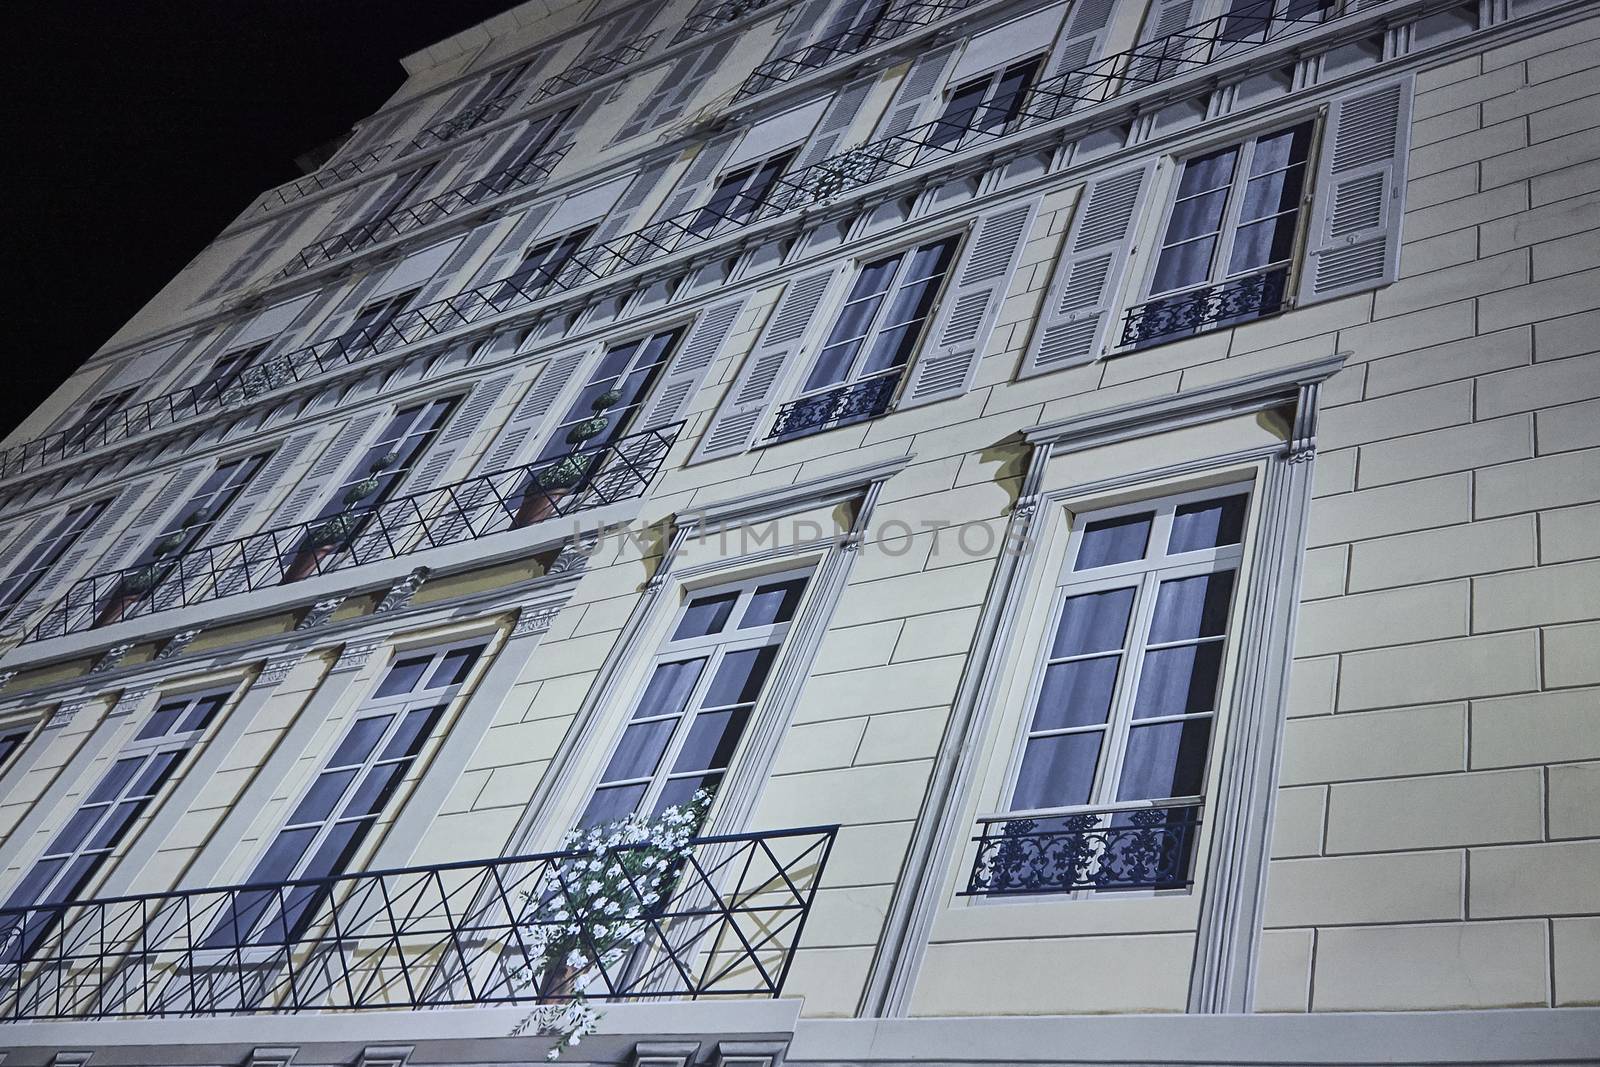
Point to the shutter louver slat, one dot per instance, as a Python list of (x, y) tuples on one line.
[(688, 369), (1072, 326)]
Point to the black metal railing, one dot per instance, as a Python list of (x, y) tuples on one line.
[(727, 924), (477, 507), (898, 19), (588, 69), (1210, 308), (819, 183), (412, 217), (846, 404), (322, 178), (458, 124), (1128, 848), (716, 16)]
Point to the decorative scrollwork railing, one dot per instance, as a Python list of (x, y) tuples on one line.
[(415, 216), (837, 407), (1226, 36), (477, 507), (588, 69), (1210, 308), (448, 935), (1144, 847)]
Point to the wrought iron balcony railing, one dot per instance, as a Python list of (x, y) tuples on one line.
[(477, 507), (1130, 847), (1055, 98), (587, 70), (718, 15), (321, 178), (855, 402), (412, 217), (898, 19), (458, 124), (1213, 307), (727, 924)]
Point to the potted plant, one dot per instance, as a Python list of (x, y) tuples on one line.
[(553, 483), (328, 536)]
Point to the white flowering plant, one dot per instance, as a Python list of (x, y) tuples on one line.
[(596, 908)]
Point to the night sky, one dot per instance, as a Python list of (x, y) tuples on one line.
[(142, 127)]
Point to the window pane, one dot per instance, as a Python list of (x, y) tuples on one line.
[(1262, 243), (31, 888), (1113, 541), (1275, 151), (403, 676), (1187, 608), (1184, 265), (360, 741), (773, 603), (76, 876), (375, 790), (76, 831), (1076, 693), (739, 677), (1207, 524), (111, 828), (705, 615), (1196, 216), (669, 688), (1179, 681), (282, 857), (162, 718), (452, 670), (324, 794), (1057, 771), (413, 731), (155, 773), (639, 752), (1272, 193), (1208, 172), (610, 804), (1165, 759), (682, 790), (712, 738), (116, 780), (204, 710), (1093, 622)]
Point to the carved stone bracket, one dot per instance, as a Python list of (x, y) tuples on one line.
[(129, 700), (278, 668), (110, 658), (70, 1059), (400, 594), (176, 643), (749, 1053), (354, 657), (64, 714), (270, 1057), (534, 620), (385, 1055), (574, 555), (320, 613)]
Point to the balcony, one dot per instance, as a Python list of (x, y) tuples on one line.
[(897, 20), (456, 125), (726, 924), (855, 402), (715, 16), (477, 507), (413, 217), (1130, 846), (587, 70), (1212, 307), (322, 178)]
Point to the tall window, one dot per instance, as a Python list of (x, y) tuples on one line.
[(1234, 222), (986, 102), (46, 552), (223, 375), (628, 370), (348, 796), (373, 319), (526, 150), (703, 686), (739, 193), (106, 815), (1126, 695), (541, 264), (400, 192)]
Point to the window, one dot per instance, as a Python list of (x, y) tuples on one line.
[(96, 417), (872, 340), (226, 372), (10, 740), (46, 552), (1125, 697), (373, 319), (346, 799), (541, 265), (530, 144), (396, 196), (1229, 240), (703, 686), (496, 86), (986, 102), (629, 370), (107, 813), (739, 193)]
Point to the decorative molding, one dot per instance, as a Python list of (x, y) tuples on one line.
[(354, 656), (813, 493), (385, 1055), (128, 701), (320, 613), (5, 678), (276, 1056), (65, 712), (1303, 439), (664, 1054), (535, 619), (574, 555), (277, 669), (110, 658), (749, 1053), (176, 643), (401, 592)]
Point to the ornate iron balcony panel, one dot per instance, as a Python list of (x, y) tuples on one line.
[(726, 924), (1141, 848), (587, 70), (489, 503), (837, 407), (1211, 308)]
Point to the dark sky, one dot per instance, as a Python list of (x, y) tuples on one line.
[(141, 127)]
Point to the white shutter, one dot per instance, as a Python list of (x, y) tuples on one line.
[(922, 83), (152, 518), (1081, 40), (620, 30), (1159, 53), (355, 298), (969, 308), (525, 421), (468, 417), (644, 183), (260, 488), (323, 472), (1072, 327), (508, 253), (836, 121), (691, 187), (674, 93), (269, 239), (451, 278), (87, 546), (688, 368), (11, 549), (1360, 193), (762, 374)]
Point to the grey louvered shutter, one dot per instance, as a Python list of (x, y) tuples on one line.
[(835, 122), (1081, 40), (619, 30), (151, 519), (355, 298), (922, 83), (314, 486), (968, 311), (508, 253), (1360, 193), (804, 21), (452, 277), (688, 368), (463, 425), (691, 188), (677, 90), (1073, 324), (88, 546), (530, 413), (11, 548), (620, 218), (762, 374), (1160, 53)]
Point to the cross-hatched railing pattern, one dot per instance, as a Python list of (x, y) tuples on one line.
[(1223, 37), (476, 507), (412, 217), (1129, 847), (345, 169), (726, 924), (718, 15), (897, 20), (588, 69)]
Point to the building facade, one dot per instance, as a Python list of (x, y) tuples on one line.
[(1086, 509)]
